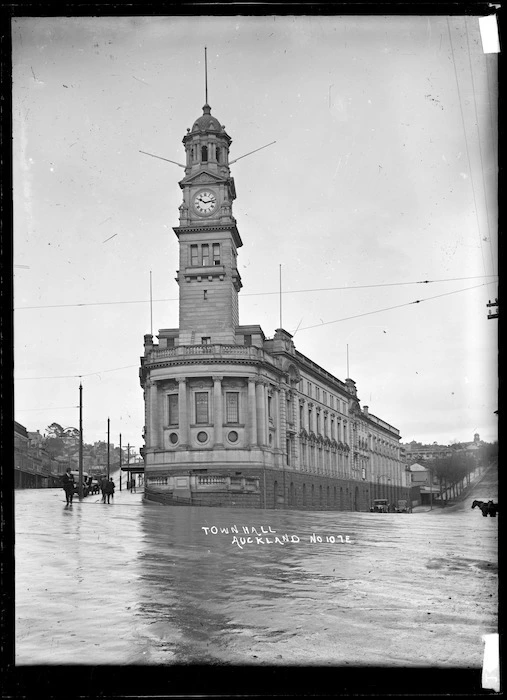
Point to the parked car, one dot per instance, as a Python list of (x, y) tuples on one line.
[(94, 486), (75, 474), (402, 506), (380, 505)]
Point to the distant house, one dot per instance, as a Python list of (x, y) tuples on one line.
[(422, 490)]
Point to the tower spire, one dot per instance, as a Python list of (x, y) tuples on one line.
[(205, 75)]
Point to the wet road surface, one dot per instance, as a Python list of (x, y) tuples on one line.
[(139, 583)]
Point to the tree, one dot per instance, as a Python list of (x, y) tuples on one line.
[(54, 430)]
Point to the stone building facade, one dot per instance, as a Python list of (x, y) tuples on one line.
[(233, 418)]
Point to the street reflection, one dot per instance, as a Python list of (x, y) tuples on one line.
[(135, 582)]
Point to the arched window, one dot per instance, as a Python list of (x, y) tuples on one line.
[(204, 154)]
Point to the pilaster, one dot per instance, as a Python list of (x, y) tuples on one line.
[(218, 416), (252, 413), (183, 411)]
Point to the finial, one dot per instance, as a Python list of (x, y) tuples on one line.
[(206, 75)]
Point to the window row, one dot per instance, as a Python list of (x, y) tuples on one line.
[(209, 153), (325, 425), (201, 408), (205, 254), (323, 396)]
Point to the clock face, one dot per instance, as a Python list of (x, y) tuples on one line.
[(205, 202)]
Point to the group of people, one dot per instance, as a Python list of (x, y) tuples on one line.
[(107, 488), (69, 486)]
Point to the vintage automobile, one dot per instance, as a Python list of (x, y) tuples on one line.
[(380, 505), (93, 486), (75, 474), (402, 506)]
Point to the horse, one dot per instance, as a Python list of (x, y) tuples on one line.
[(487, 508)]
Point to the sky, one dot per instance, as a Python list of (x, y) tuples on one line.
[(383, 176)]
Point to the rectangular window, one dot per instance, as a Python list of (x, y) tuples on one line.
[(216, 253), (269, 407), (324, 397), (201, 407), (173, 409), (194, 255), (247, 339), (170, 342), (317, 393), (232, 407), (205, 254), (308, 388), (205, 340)]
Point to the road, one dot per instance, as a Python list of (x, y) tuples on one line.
[(138, 583)]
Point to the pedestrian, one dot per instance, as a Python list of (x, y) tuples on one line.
[(103, 484), (108, 490), (68, 486), (111, 487)]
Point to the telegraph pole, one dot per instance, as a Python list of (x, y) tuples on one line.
[(120, 461), (128, 465), (80, 486), (108, 422)]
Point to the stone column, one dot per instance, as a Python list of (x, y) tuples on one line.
[(150, 437), (261, 411), (183, 411), (278, 396), (155, 420), (309, 426), (218, 412), (252, 413)]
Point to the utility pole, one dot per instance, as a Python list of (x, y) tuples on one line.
[(120, 461), (80, 486), (128, 466), (108, 423)]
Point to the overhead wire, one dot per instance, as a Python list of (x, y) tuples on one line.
[(390, 308), (480, 146), (466, 145), (325, 323), (253, 294)]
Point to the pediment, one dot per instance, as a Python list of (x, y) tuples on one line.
[(202, 178)]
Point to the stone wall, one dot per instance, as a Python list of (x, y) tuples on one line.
[(287, 490)]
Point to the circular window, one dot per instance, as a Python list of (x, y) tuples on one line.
[(173, 437), (202, 436), (233, 436)]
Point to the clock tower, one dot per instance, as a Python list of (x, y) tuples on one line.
[(208, 277)]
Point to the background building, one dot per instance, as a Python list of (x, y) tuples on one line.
[(30, 469), (234, 418)]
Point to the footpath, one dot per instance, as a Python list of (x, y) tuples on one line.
[(482, 479), (123, 497)]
